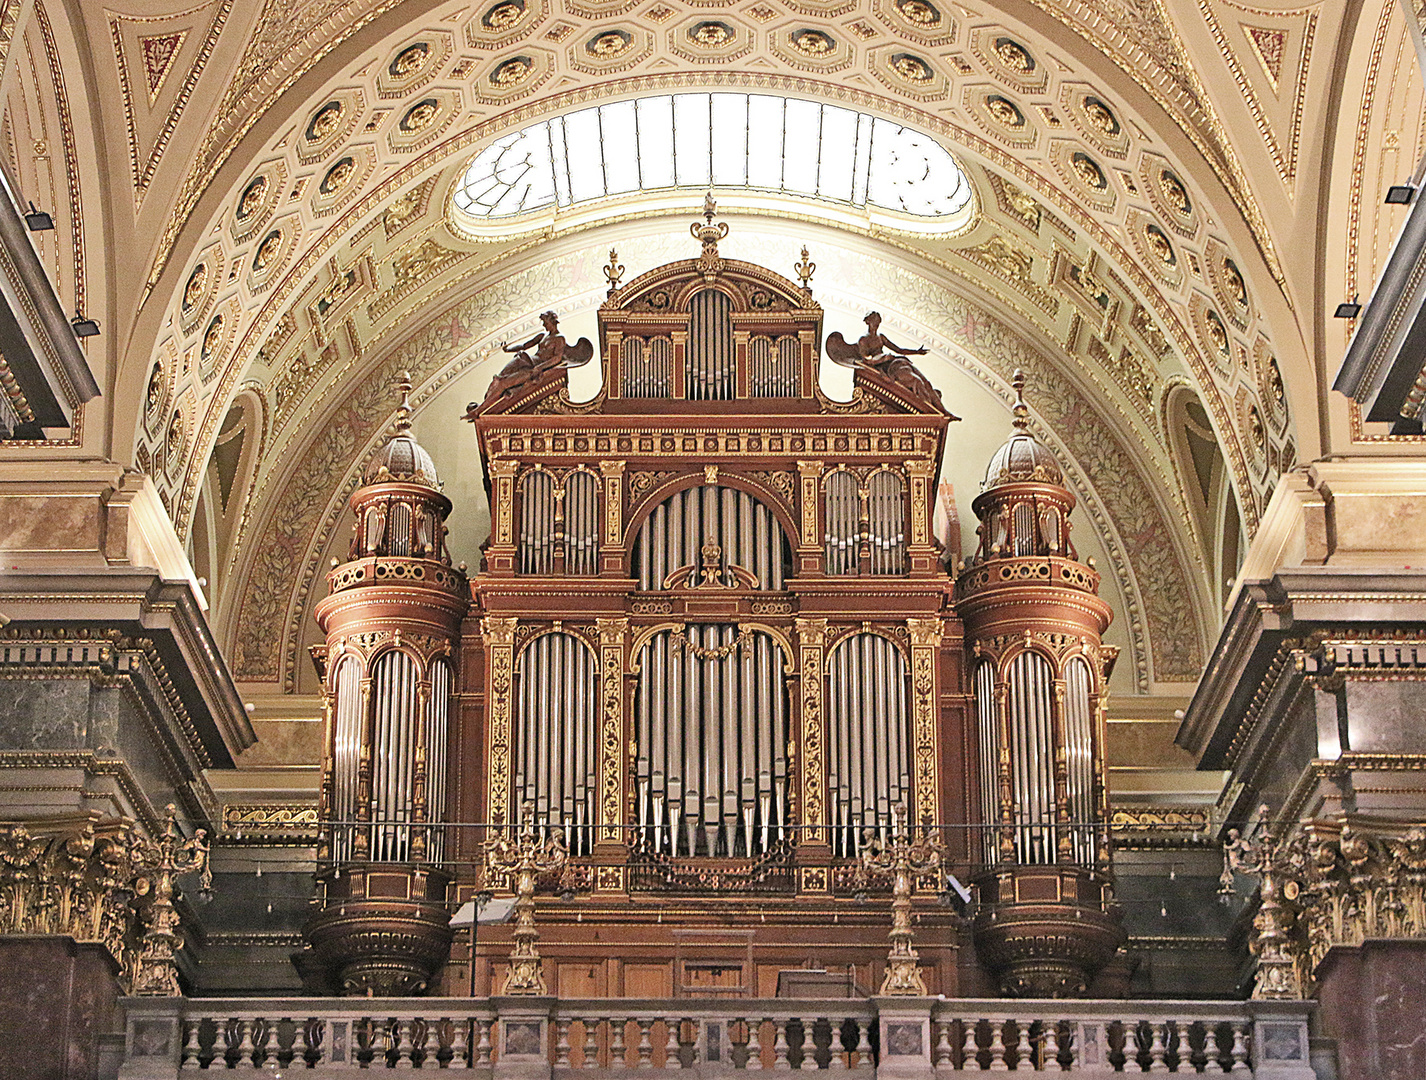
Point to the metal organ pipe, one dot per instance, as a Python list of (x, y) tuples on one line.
[(396, 708), (841, 532), (537, 517), (437, 726), (710, 347), (1079, 753), (887, 511), (869, 737), (673, 535), (581, 526), (1029, 703), (554, 736), (347, 733), (989, 728)]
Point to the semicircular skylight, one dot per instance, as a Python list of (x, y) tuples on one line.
[(762, 143)]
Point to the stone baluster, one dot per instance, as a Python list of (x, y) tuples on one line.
[(672, 1042), (997, 1047), (191, 1046), (1024, 1053), (618, 1051), (460, 1045), (646, 1045), (1185, 1046), (590, 1058), (405, 1044), (755, 1044), (245, 1042), (482, 1043), (430, 1044), (863, 1050), (562, 1043), (942, 1053), (1052, 1044), (220, 1044), (779, 1045), (970, 1050), (807, 1050), (1240, 1048), (1157, 1049), (836, 1050)]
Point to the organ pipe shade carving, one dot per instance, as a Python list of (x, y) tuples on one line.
[(711, 731), (773, 367), (842, 534), (710, 347), (555, 753), (581, 524), (646, 367), (673, 537), (537, 523), (869, 739), (886, 513)]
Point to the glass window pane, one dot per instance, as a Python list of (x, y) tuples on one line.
[(656, 141), (730, 139), (839, 147), (584, 154), (800, 146), (765, 142), (621, 151), (690, 139)]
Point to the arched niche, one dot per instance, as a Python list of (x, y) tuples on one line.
[(1207, 488)]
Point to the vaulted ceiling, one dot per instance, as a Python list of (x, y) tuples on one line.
[(1170, 197)]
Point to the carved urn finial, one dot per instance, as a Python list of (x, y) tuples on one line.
[(708, 234), (804, 270), (403, 410)]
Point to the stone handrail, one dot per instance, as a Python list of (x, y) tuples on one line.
[(527, 1038)]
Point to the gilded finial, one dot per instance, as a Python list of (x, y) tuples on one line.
[(804, 270), (1021, 410), (708, 234), (613, 272), (403, 411)]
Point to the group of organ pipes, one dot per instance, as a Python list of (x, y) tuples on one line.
[(711, 638)]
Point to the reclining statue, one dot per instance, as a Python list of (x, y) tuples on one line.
[(551, 352), (877, 352)]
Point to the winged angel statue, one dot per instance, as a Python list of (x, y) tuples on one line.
[(551, 352), (877, 352)]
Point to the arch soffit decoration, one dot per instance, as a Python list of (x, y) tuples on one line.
[(1019, 262), (287, 544)]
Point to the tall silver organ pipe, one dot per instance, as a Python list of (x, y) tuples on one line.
[(1079, 751), (1025, 542), (711, 731), (537, 523), (1029, 703), (988, 724), (437, 735), (886, 514), (711, 352), (646, 367), (581, 524), (554, 749), (348, 721), (869, 741), (674, 534), (842, 513), (396, 715), (773, 367)]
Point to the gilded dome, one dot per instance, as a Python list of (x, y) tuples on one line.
[(402, 458), (1022, 457)]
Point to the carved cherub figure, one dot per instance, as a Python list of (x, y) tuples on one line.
[(877, 352), (551, 351)]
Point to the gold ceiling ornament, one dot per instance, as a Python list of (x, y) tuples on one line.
[(251, 200), (1237, 287), (324, 121), (1088, 171), (409, 60), (338, 176), (1174, 191), (911, 68), (212, 338), (711, 35), (918, 12), (812, 43), (267, 250), (503, 15), (1217, 332), (1014, 55), (1159, 244), (193, 291), (512, 72), (609, 44), (1004, 111), (420, 116), (1101, 117)]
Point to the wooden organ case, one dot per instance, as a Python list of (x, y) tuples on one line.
[(712, 643), (711, 651)]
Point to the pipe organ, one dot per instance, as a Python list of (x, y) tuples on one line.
[(712, 648)]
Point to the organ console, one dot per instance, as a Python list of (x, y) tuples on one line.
[(711, 649)]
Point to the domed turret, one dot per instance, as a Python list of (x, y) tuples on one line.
[(402, 458), (1022, 457)]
